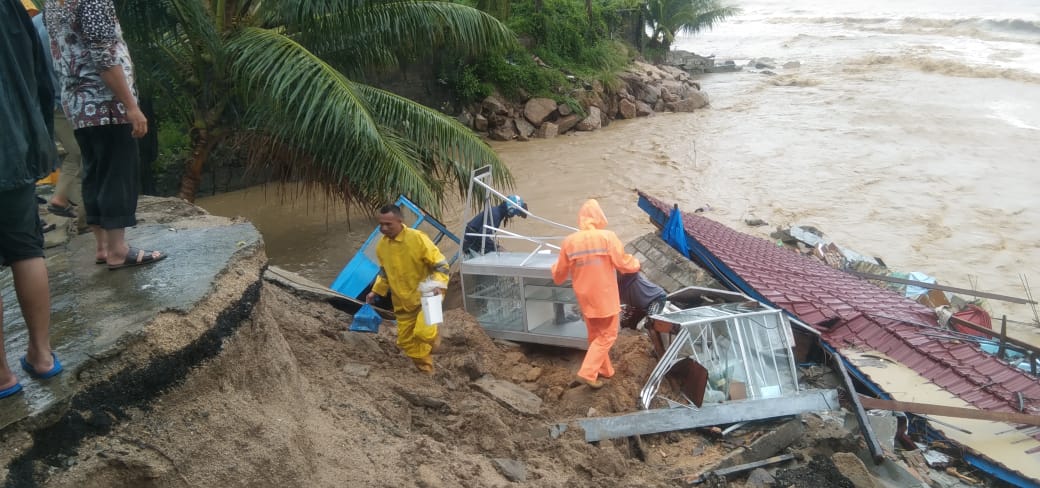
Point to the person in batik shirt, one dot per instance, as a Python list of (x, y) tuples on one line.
[(100, 101)]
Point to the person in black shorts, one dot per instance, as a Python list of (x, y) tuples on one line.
[(26, 155), (100, 101)]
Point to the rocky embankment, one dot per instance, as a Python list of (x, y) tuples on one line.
[(644, 89)]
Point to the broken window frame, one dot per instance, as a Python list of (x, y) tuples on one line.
[(698, 325)]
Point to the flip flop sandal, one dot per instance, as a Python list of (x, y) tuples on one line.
[(137, 257), (57, 369), (10, 391), (61, 211)]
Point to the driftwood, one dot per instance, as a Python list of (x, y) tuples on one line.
[(942, 410)]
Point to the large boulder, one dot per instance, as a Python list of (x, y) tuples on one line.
[(506, 132), (591, 122), (524, 129), (690, 62), (650, 94), (547, 130), (699, 98), (694, 101), (493, 105), (627, 109), (536, 110), (466, 119), (567, 123), (480, 123), (667, 96), (681, 106), (498, 120), (563, 109), (677, 88), (642, 109)]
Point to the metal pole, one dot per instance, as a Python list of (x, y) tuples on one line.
[(529, 214), (1003, 337)]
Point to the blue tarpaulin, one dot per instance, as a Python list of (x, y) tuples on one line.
[(674, 232)]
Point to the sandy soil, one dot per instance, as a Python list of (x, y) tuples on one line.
[(296, 400)]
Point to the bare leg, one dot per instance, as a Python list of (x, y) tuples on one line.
[(31, 286), (7, 377), (115, 240), (101, 253), (118, 248)]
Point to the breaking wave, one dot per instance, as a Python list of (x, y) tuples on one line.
[(793, 80), (948, 67), (1010, 30)]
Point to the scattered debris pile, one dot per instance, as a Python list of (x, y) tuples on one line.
[(962, 312), (893, 346)]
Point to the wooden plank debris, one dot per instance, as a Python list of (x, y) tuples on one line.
[(309, 289), (1025, 346), (935, 286), (876, 451), (741, 468), (945, 411)]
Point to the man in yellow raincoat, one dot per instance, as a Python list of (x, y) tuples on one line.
[(407, 257), (592, 257)]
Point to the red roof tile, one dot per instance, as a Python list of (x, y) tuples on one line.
[(863, 314)]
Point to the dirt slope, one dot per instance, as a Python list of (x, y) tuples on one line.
[(295, 400)]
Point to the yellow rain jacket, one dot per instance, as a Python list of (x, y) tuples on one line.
[(31, 8), (405, 261), (591, 256)]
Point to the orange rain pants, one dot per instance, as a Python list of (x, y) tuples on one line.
[(603, 333)]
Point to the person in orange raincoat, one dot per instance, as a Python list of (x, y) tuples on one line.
[(592, 257)]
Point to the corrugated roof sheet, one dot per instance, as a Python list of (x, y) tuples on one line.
[(851, 311)]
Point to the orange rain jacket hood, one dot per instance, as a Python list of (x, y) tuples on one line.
[(592, 257), (591, 216)]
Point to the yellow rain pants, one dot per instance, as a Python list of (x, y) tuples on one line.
[(415, 338)]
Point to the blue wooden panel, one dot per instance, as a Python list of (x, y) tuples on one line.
[(361, 271)]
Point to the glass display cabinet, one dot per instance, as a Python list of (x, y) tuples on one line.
[(512, 295)]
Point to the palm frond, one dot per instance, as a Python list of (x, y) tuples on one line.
[(146, 21), (352, 136), (668, 18), (456, 150), (408, 27)]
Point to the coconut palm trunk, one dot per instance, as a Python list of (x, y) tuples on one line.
[(202, 145)]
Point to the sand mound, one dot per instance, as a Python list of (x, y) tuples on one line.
[(296, 400)]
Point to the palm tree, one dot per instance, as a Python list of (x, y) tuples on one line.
[(276, 79), (668, 18)]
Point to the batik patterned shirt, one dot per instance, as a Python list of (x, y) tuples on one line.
[(86, 40)]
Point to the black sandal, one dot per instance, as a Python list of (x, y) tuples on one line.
[(61, 211), (137, 257)]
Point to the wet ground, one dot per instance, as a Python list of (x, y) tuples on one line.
[(95, 311)]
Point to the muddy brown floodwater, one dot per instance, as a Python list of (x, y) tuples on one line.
[(914, 216)]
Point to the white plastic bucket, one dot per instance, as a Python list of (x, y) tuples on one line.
[(431, 308)]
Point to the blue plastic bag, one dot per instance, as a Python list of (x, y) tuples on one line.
[(366, 320)]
